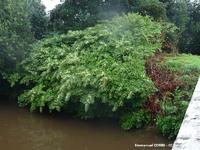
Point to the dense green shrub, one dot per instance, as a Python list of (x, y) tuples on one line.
[(173, 112), (135, 120), (99, 65), (169, 125)]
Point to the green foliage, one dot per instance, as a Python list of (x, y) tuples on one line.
[(79, 14), (186, 68), (177, 12), (38, 19), (190, 40), (168, 126), (185, 63), (100, 71), (170, 39), (153, 8), (135, 120), (102, 64), (173, 112), (185, 14), (15, 33), (20, 22)]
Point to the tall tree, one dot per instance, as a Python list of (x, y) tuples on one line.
[(15, 32), (21, 21), (192, 33), (154, 8), (78, 14), (38, 18), (177, 12)]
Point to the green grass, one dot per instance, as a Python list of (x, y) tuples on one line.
[(185, 63)]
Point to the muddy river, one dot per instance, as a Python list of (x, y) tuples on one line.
[(22, 130)]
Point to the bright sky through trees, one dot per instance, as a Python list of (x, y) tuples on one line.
[(50, 4)]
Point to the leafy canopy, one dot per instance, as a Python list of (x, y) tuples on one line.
[(15, 33), (21, 21), (79, 14), (102, 64)]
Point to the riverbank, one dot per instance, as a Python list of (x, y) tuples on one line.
[(175, 77)]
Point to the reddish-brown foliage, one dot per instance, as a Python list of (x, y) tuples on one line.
[(164, 80)]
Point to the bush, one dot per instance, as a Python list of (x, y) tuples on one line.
[(172, 113), (135, 120), (99, 71), (168, 126)]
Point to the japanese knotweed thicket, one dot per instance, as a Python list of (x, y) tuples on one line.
[(95, 72)]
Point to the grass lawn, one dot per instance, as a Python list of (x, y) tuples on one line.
[(185, 63)]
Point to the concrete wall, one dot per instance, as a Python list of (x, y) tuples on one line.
[(189, 134)]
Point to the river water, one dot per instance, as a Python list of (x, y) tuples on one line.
[(22, 130)]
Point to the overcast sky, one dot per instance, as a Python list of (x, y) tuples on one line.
[(50, 4)]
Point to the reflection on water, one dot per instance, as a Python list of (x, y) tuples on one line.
[(22, 130)]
